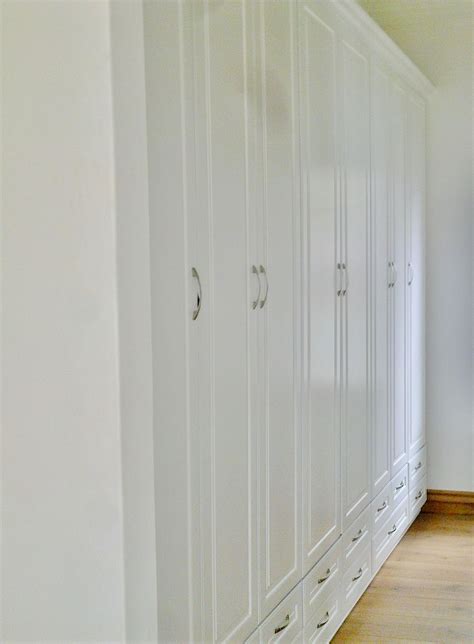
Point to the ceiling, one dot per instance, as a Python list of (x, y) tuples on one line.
[(423, 29)]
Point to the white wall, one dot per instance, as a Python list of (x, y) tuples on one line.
[(437, 35), (62, 551)]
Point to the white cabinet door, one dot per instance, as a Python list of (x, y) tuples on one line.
[(225, 114), (321, 443), (380, 142), (398, 366), (278, 310), (355, 147), (175, 337), (415, 276)]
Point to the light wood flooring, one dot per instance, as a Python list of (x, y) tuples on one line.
[(425, 590)]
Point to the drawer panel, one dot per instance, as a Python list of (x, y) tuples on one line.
[(381, 508), (389, 534), (399, 487), (417, 496), (417, 466), (285, 623), (356, 537), (356, 580), (323, 580), (325, 622)]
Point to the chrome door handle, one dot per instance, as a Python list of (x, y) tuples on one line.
[(197, 310), (411, 274), (392, 530), (255, 272), (346, 279), (284, 625), (263, 272), (417, 467), (390, 275), (326, 576), (382, 507), (325, 620), (399, 487), (358, 536), (339, 274), (395, 273), (419, 495), (359, 575)]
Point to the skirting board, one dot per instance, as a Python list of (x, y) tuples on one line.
[(449, 502)]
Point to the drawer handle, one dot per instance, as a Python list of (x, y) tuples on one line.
[(418, 466), (257, 300), (285, 624), (325, 620), (402, 485), (358, 536), (359, 575), (392, 530), (382, 507), (197, 310), (419, 495), (326, 576)]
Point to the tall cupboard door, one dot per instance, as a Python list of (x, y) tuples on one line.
[(225, 137), (398, 225), (380, 142), (415, 276), (175, 336), (321, 338), (278, 307), (355, 149)]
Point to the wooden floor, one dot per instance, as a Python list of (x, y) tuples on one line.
[(425, 590)]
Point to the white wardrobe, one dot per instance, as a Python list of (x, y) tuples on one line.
[(286, 145)]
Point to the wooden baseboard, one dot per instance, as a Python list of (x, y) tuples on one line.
[(449, 502)]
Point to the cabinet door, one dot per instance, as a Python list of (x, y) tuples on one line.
[(415, 277), (399, 176), (355, 146), (380, 142), (321, 443), (280, 436), (224, 116)]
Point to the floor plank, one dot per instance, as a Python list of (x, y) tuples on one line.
[(425, 590)]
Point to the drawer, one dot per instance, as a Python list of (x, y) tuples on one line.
[(325, 621), (356, 537), (356, 580), (285, 623), (417, 496), (399, 486), (389, 534), (417, 466), (381, 507), (323, 580)]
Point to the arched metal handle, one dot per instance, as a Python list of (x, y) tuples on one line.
[(359, 575), (395, 274), (197, 310), (419, 495), (382, 507), (324, 621), (346, 279), (358, 536), (417, 467), (390, 275), (284, 625), (402, 485), (263, 301), (392, 530), (326, 576), (255, 272), (411, 274)]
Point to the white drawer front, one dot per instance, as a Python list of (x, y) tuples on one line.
[(389, 534), (417, 496), (285, 623), (323, 580), (356, 580), (417, 466), (399, 486), (381, 508), (325, 621), (356, 537)]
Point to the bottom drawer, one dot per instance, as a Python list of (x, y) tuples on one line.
[(417, 496), (285, 623), (356, 580), (325, 622), (388, 536)]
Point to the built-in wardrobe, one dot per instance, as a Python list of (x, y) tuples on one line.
[(286, 172)]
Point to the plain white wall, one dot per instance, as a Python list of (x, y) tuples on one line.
[(62, 550), (438, 36)]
